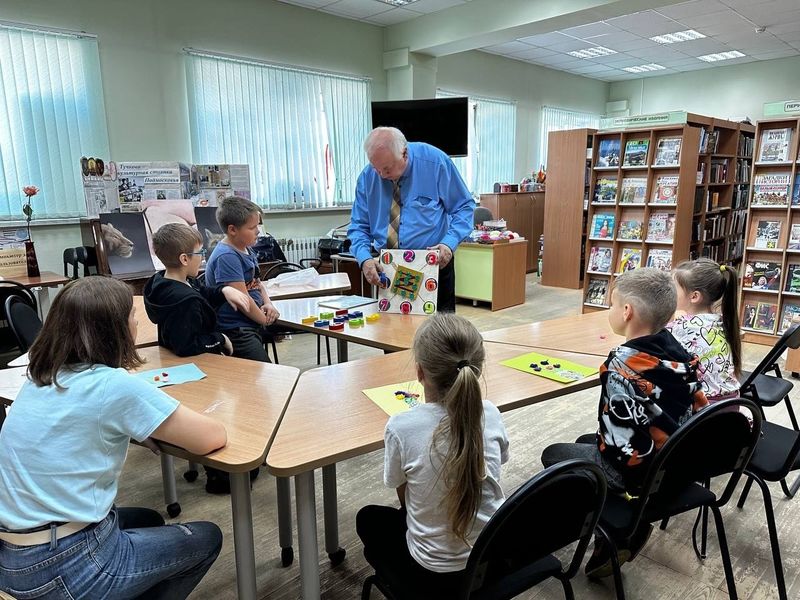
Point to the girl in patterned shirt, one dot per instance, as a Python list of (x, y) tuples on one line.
[(706, 324)]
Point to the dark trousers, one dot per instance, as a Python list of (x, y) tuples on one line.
[(248, 342), (382, 530), (447, 288)]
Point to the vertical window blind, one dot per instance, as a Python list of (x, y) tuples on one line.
[(300, 131), (492, 130), (51, 114), (558, 119)]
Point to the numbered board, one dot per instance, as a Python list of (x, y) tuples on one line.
[(410, 282)]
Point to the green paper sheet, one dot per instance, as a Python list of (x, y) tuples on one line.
[(566, 372)]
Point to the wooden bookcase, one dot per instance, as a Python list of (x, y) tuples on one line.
[(569, 158), (769, 257)]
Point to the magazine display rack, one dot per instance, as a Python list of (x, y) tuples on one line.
[(770, 298)]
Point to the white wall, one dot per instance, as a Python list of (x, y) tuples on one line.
[(734, 91)]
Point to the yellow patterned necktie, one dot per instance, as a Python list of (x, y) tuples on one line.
[(392, 235)]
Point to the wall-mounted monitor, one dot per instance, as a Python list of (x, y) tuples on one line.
[(442, 122)]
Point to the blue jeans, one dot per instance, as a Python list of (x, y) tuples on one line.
[(105, 561)]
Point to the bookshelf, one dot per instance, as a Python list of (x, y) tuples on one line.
[(569, 156), (770, 289)]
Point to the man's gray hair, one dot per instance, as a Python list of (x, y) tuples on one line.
[(652, 294), (385, 137)]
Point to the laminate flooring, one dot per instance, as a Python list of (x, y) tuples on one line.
[(667, 569)]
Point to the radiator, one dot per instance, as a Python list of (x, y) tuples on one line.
[(296, 249)]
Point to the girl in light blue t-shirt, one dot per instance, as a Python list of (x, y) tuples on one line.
[(62, 449)]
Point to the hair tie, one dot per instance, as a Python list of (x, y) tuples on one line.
[(461, 364), (722, 268)]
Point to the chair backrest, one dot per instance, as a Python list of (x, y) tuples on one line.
[(557, 507), (23, 320), (9, 287), (87, 256), (789, 339), (70, 260), (718, 440), (481, 214)]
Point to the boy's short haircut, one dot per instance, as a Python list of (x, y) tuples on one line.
[(235, 211), (652, 294), (173, 239)]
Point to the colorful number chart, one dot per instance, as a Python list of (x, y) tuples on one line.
[(410, 282)]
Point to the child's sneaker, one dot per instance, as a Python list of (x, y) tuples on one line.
[(599, 564)]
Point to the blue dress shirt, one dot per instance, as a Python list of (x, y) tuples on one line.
[(435, 205)]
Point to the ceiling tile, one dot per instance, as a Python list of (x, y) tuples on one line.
[(692, 9), (357, 8), (570, 45), (702, 46), (657, 54), (533, 52), (544, 39), (391, 17), (632, 45), (777, 54), (727, 18), (309, 3), (646, 23), (591, 30), (431, 6), (509, 48), (589, 69), (622, 60), (789, 26)]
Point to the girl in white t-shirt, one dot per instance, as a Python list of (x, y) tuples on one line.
[(443, 457), (707, 324)]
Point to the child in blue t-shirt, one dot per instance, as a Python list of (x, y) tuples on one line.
[(62, 449), (233, 263)]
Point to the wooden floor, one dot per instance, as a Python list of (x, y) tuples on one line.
[(667, 568)]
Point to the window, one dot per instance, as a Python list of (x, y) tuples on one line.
[(490, 157), (557, 119), (300, 131), (51, 114)]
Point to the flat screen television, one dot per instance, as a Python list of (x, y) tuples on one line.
[(441, 122)]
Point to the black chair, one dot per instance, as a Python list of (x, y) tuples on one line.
[(24, 321), (718, 440), (70, 259), (87, 256), (481, 214), (515, 550)]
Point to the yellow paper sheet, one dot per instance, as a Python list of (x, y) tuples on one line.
[(386, 396)]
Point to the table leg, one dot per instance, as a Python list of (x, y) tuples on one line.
[(168, 481), (243, 544), (331, 514), (341, 351), (307, 535), (43, 299), (284, 492)]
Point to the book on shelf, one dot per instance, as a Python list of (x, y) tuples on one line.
[(701, 173), (714, 227), (771, 189), (603, 226), (636, 153), (605, 191), (740, 200), (708, 141), (775, 145), (767, 234), (796, 190), (660, 258), (630, 229), (630, 259), (668, 152), (712, 201), (794, 237), (762, 275), (608, 153), (600, 260), (789, 316), (742, 170), (666, 190), (661, 227), (634, 190), (766, 313), (596, 291), (792, 278), (719, 170), (745, 146)]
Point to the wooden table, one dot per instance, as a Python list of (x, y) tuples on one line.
[(250, 409), (589, 333), (392, 332), (329, 283), (493, 273), (146, 330), (341, 434), (40, 285)]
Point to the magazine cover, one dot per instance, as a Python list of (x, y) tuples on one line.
[(596, 292), (636, 153), (634, 190), (775, 145), (603, 226), (630, 230), (790, 316), (749, 311), (771, 189), (767, 234), (762, 275), (794, 237), (630, 259), (608, 153), (792, 278), (661, 227), (666, 190), (600, 260), (796, 191), (668, 152), (766, 314), (660, 258), (605, 191)]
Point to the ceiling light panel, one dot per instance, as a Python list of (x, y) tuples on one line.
[(397, 2), (593, 52), (721, 56), (678, 37), (644, 68)]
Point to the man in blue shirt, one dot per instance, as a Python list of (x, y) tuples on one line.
[(409, 196)]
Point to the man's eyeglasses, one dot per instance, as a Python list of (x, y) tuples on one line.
[(202, 252)]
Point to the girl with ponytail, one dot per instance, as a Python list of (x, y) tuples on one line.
[(443, 457), (707, 324)]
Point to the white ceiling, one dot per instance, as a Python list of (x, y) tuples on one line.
[(727, 24)]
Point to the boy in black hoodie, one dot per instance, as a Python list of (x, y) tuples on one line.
[(185, 310), (649, 389)]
